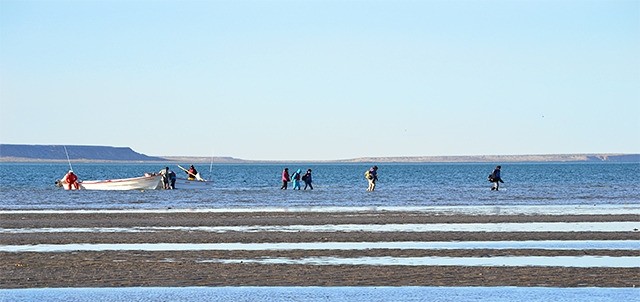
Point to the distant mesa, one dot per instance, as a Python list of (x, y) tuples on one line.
[(207, 160), (633, 158), (503, 158), (57, 152)]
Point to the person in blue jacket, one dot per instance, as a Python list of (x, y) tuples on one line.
[(296, 179)]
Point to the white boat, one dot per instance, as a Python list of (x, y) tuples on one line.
[(183, 183), (147, 182)]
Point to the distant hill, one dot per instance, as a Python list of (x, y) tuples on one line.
[(207, 160), (437, 159), (10, 152), (503, 158)]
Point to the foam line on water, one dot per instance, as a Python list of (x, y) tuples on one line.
[(613, 226), (633, 209), (555, 261), (404, 245)]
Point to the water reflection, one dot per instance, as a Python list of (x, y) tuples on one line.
[(557, 261), (404, 245), (610, 226), (305, 294), (603, 209)]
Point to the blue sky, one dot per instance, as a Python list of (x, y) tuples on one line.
[(296, 80)]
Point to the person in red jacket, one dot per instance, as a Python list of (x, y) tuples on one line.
[(72, 181), (285, 178)]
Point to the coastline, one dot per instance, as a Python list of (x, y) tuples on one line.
[(144, 159), (109, 268)]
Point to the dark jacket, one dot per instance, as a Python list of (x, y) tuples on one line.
[(495, 176)]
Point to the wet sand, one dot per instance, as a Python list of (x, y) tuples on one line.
[(187, 268)]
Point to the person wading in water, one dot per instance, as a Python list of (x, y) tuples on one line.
[(494, 177), (285, 178), (372, 176)]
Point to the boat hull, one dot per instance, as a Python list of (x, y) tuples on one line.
[(152, 182)]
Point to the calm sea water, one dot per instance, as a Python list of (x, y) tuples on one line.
[(31, 186), (305, 294)]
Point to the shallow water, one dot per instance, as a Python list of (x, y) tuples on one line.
[(529, 189), (400, 245), (555, 261), (31, 186), (304, 294), (627, 209), (610, 226)]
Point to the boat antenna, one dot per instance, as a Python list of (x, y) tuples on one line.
[(211, 166), (68, 160)]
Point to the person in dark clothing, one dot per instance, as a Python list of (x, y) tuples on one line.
[(307, 179), (495, 178), (172, 179)]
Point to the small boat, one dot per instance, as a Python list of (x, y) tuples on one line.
[(195, 181), (147, 182)]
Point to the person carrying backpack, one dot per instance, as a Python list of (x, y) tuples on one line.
[(296, 179), (495, 178), (307, 179), (372, 176)]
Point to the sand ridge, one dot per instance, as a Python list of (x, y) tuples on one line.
[(190, 268)]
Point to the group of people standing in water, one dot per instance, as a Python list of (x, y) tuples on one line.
[(296, 177), (370, 175)]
